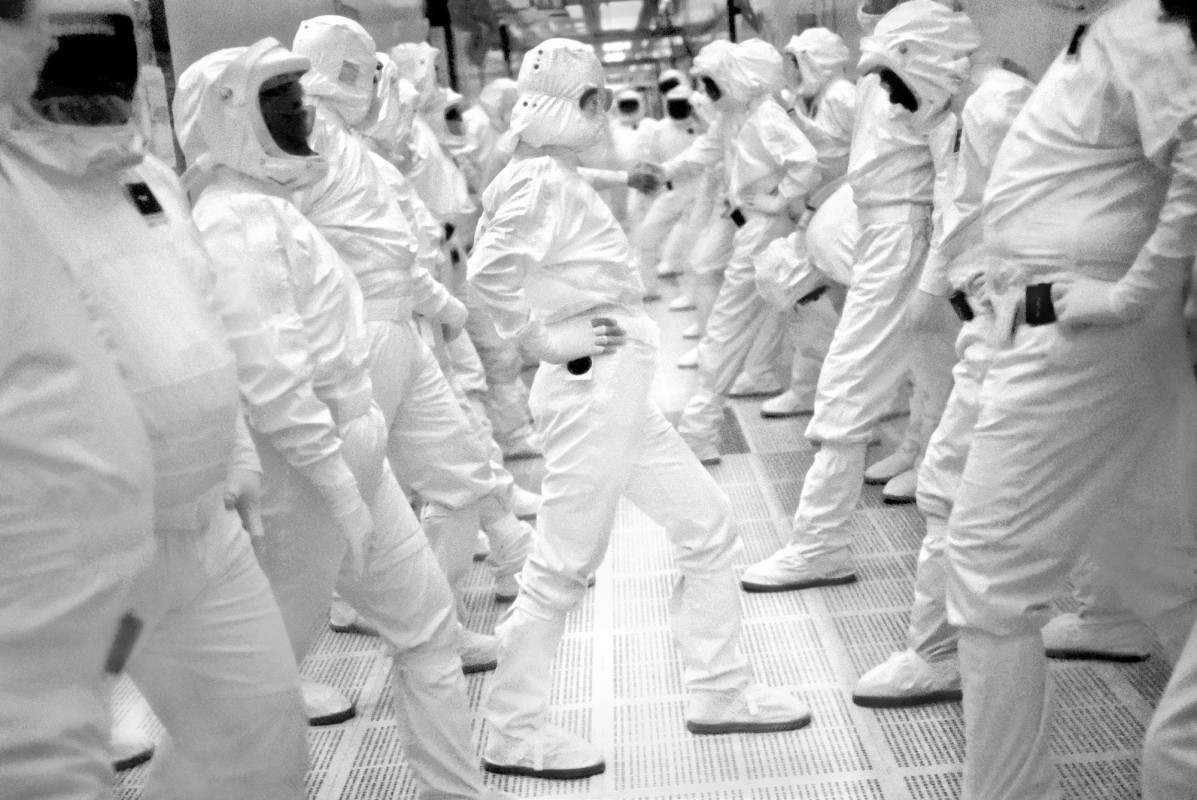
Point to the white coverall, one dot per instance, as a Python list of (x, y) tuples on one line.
[(213, 658), (432, 446), (767, 158), (76, 511), (1094, 190), (821, 56), (661, 235), (892, 179), (310, 302), (548, 256)]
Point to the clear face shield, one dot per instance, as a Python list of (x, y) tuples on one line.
[(288, 119), (454, 122), (711, 89), (90, 77), (678, 109)]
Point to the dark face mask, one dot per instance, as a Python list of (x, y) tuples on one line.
[(628, 106), (286, 117), (899, 92), (678, 109), (453, 121), (665, 86), (90, 76), (711, 89)]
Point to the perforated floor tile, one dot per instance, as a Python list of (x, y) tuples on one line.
[(617, 678)]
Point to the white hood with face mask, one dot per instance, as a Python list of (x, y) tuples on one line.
[(25, 50), (928, 47), (219, 120), (342, 75), (417, 63), (747, 71), (497, 100), (552, 81), (388, 127), (821, 56)]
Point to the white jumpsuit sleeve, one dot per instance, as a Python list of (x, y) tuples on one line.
[(793, 152), (705, 152), (275, 368), (514, 236)]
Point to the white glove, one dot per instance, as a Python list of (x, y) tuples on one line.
[(1084, 301), (453, 318), (356, 527), (577, 338), (243, 491), (929, 313), (767, 203)]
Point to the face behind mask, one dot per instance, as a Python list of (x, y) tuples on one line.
[(454, 122), (287, 119), (711, 89), (678, 109), (90, 77)]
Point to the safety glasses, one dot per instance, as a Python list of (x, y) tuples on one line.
[(596, 99)]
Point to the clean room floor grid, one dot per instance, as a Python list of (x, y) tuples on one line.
[(617, 680)]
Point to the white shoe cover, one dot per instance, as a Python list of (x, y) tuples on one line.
[(692, 332), (756, 709), (520, 449), (683, 302), (551, 752), (507, 588), (524, 504), (130, 747), (746, 386), (689, 359), (479, 652), (889, 468), (901, 488), (788, 571), (906, 679), (510, 543), (786, 404), (1074, 636), (325, 705)]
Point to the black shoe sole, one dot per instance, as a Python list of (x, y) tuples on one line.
[(715, 729), (783, 414), (333, 719), (485, 666), (758, 588), (1093, 655), (479, 557), (878, 481), (132, 761), (945, 696), (353, 627), (896, 501), (547, 774)]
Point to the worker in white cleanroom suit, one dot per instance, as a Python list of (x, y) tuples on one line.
[(1084, 439), (927, 670), (432, 446), (920, 50), (77, 497), (510, 537), (553, 265), (244, 131), (771, 168), (660, 239), (213, 658), (825, 111)]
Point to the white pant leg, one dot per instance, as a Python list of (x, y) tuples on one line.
[(809, 332), (768, 357), (675, 491), (64, 586), (714, 239), (1170, 748), (865, 363), (739, 318), (1050, 472), (506, 394), (215, 665), (929, 633)]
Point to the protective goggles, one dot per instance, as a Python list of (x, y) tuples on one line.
[(605, 97)]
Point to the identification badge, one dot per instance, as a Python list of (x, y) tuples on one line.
[(1039, 308), (580, 369), (122, 645), (963, 309), (737, 216)]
